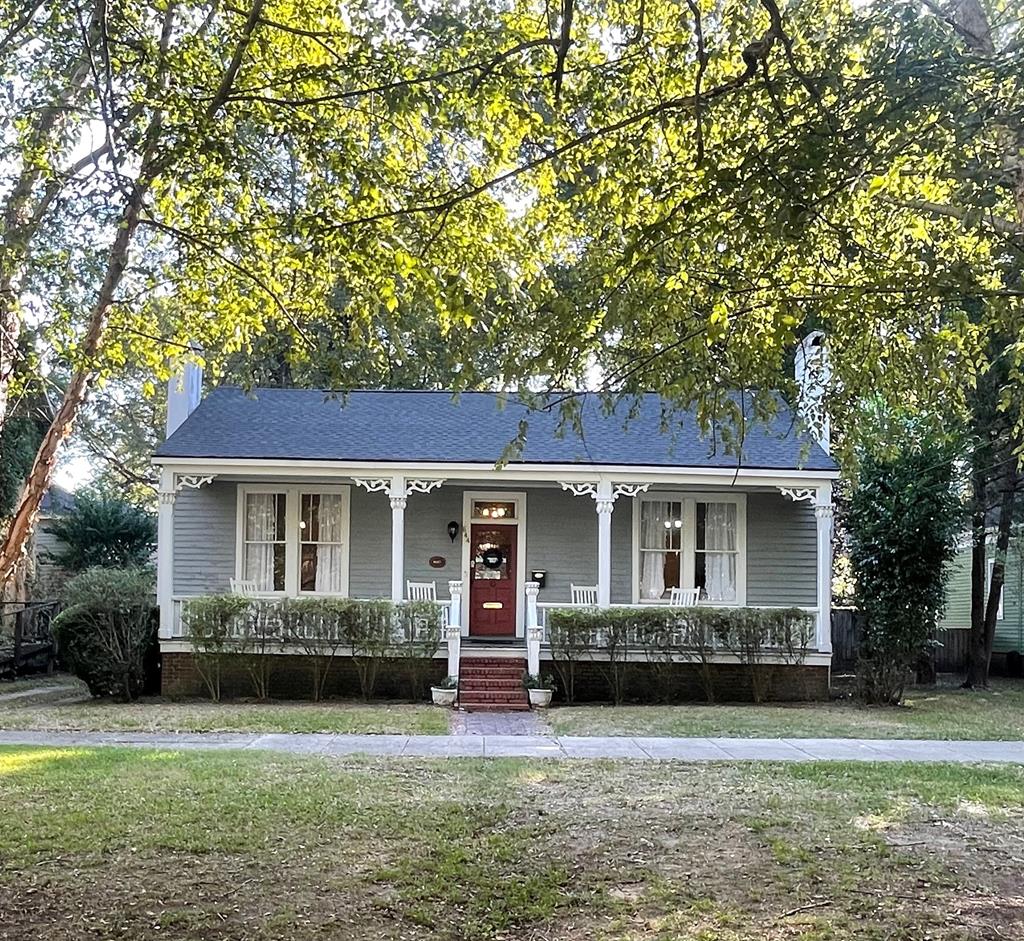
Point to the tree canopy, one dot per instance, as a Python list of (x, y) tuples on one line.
[(661, 194)]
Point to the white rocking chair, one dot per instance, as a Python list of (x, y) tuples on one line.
[(683, 597), (421, 591), (244, 587), (583, 594)]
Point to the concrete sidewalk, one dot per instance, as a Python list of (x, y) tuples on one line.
[(539, 746)]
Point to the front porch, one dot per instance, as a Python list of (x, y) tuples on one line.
[(499, 548), (515, 544)]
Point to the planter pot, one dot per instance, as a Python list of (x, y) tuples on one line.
[(443, 697), (540, 697)]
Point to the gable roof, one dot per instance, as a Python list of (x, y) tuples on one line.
[(475, 428)]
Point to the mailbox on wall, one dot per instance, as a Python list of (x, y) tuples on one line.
[(539, 576)]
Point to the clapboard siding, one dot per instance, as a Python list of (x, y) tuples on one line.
[(561, 538), (204, 539), (427, 516), (369, 558), (781, 551), (957, 614)]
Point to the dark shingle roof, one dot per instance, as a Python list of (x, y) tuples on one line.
[(427, 427)]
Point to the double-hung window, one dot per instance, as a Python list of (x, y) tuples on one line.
[(691, 541), (294, 540), (263, 540)]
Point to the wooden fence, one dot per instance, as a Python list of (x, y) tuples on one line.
[(950, 655)]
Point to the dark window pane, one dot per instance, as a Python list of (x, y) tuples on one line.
[(279, 502), (700, 568), (702, 516), (307, 569), (279, 565), (672, 570), (311, 517)]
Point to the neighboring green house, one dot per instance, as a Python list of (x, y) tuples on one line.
[(1010, 618)]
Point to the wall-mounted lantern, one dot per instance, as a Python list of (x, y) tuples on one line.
[(540, 576), (453, 530)]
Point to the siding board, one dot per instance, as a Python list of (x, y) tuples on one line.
[(781, 551)]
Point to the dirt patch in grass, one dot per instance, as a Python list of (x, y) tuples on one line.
[(120, 844)]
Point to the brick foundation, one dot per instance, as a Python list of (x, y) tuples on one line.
[(291, 678), (683, 682)]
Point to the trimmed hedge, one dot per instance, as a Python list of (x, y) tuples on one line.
[(664, 635), (232, 625)]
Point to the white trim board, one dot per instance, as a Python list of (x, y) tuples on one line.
[(622, 473)]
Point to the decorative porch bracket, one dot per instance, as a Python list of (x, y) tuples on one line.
[(605, 493), (821, 498), (398, 488)]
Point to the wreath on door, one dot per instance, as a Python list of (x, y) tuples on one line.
[(492, 558)]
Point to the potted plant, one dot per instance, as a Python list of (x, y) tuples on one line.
[(445, 692), (539, 688)]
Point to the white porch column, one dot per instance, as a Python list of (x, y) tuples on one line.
[(453, 632), (605, 500), (165, 555), (534, 632), (397, 493), (823, 516)]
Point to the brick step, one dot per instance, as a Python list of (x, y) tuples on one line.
[(491, 695), (491, 672), (497, 707), (494, 661), (489, 682)]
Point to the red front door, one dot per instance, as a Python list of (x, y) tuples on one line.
[(492, 580)]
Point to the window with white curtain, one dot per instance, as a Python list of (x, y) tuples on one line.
[(690, 541), (715, 551), (264, 546), (321, 534), (294, 540), (661, 548)]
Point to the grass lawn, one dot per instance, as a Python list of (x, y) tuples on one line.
[(161, 716), (943, 713), (126, 844)]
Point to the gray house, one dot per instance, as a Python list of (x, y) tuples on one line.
[(386, 494)]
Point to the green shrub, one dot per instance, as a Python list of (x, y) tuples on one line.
[(665, 636), (904, 519), (103, 531), (318, 627), (215, 623), (417, 638), (106, 627)]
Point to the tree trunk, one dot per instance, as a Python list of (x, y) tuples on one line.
[(985, 601), (151, 164), (978, 654)]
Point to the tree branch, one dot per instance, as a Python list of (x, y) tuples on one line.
[(752, 57), (1000, 225)]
